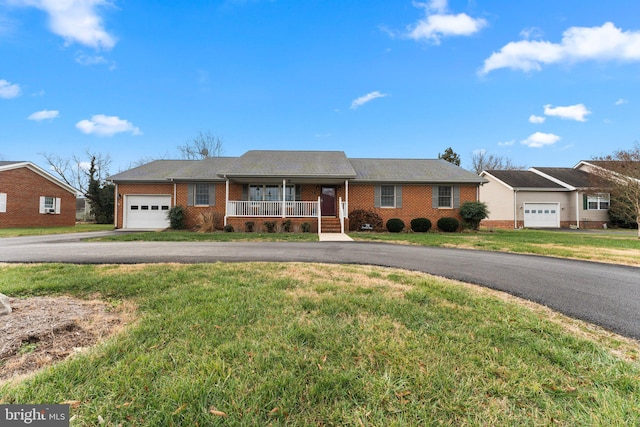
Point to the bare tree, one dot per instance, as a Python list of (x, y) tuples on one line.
[(75, 170), (481, 161), (203, 145), (622, 170)]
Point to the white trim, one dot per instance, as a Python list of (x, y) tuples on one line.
[(484, 173), (3, 202), (524, 208), (56, 207), (42, 202)]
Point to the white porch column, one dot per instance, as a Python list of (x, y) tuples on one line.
[(284, 195), (346, 197), (226, 200)]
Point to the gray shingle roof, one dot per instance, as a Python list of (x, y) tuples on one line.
[(574, 177), (158, 170), (9, 163), (267, 163), (411, 170), (300, 164), (524, 179)]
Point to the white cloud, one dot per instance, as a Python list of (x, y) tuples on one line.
[(366, 98), (102, 125), (83, 59), (438, 23), (77, 21), (621, 101), (605, 43), (536, 119), (531, 33), (572, 112), (506, 143), (8, 90), (540, 139), (44, 115)]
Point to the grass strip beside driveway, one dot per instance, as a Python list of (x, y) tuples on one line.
[(314, 344), (40, 231)]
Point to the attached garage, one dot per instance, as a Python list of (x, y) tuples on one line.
[(146, 212), (542, 215)]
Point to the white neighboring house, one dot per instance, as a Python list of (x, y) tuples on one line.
[(543, 197)]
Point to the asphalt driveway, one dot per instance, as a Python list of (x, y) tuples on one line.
[(604, 294)]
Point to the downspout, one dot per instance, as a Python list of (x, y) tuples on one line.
[(515, 208), (577, 209), (175, 192), (226, 199), (115, 220)]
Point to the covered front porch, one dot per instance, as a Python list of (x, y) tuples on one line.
[(322, 202)]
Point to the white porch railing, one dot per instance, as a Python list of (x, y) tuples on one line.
[(343, 208), (287, 209)]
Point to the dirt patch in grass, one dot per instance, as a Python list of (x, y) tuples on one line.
[(43, 330)]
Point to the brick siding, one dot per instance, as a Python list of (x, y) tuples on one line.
[(24, 188), (416, 202)]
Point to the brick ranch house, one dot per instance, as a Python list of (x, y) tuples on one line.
[(31, 197), (317, 187)]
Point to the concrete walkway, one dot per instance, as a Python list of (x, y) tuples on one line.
[(334, 237)]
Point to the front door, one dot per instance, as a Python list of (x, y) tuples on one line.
[(328, 201)]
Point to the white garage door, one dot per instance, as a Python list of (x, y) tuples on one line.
[(147, 212), (543, 215)]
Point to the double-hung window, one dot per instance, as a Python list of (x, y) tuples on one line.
[(445, 196), (271, 193), (202, 195), (598, 201), (387, 196)]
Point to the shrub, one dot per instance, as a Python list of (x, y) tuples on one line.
[(270, 226), (228, 228), (395, 225), (361, 216), (248, 226), (208, 222), (474, 212), (420, 225), (176, 217), (448, 224), (287, 226), (305, 227)]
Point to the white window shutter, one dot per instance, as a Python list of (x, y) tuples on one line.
[(57, 207), (3, 202), (42, 199)]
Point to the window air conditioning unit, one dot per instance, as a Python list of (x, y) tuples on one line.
[(51, 211)]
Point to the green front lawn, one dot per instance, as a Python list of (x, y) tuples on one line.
[(38, 231), (218, 236), (615, 247), (310, 344)]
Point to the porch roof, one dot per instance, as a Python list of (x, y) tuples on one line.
[(290, 164)]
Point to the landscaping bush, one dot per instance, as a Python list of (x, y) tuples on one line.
[(208, 222), (176, 217), (362, 216), (448, 224), (248, 226), (270, 226), (305, 227), (420, 225), (228, 228), (395, 225), (287, 226), (474, 212)]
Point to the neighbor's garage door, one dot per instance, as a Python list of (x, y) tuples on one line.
[(544, 215), (147, 212)]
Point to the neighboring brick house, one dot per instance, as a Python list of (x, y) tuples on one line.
[(317, 187), (31, 197), (545, 198)]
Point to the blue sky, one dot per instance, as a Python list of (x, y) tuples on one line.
[(544, 83)]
